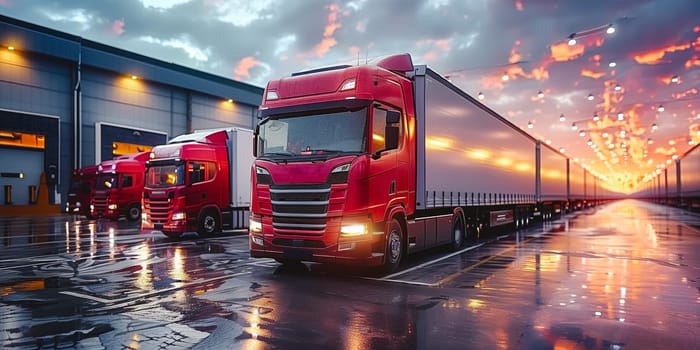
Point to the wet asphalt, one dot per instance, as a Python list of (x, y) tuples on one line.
[(625, 275)]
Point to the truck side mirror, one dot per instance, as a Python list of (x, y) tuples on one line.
[(255, 141)]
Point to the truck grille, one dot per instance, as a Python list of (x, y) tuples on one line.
[(300, 208), (99, 201), (157, 209)]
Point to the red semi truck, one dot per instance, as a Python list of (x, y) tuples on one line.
[(364, 165), (118, 187), (82, 184), (199, 182)]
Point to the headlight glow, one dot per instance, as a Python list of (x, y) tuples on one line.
[(353, 230), (255, 226), (179, 216)]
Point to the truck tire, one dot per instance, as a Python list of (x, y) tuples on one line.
[(208, 223), (394, 247), (457, 232), (134, 212)]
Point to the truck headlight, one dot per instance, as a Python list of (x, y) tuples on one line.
[(255, 225), (353, 230), (179, 216), (112, 207)]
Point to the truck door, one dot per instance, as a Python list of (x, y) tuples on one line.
[(383, 163)]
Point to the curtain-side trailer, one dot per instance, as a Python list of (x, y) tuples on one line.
[(364, 165)]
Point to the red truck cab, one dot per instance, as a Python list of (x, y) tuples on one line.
[(119, 187), (82, 184), (332, 166), (193, 185)]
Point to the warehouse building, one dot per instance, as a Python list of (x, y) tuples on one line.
[(67, 102)]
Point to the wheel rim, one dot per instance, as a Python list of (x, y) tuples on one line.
[(457, 234), (394, 246), (134, 213), (209, 223)]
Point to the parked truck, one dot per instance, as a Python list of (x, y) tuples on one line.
[(118, 187), (82, 184), (199, 182), (363, 165)]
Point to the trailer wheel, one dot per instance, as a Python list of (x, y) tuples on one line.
[(394, 247), (457, 232), (208, 223), (134, 212)]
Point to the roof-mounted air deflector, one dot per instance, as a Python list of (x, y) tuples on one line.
[(322, 69), (401, 63)]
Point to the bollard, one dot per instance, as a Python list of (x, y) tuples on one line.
[(8, 194), (32, 194)]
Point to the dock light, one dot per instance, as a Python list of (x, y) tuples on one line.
[(611, 29)]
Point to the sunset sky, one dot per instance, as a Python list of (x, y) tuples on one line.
[(656, 48)]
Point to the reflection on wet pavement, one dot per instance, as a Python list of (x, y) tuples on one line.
[(621, 276)]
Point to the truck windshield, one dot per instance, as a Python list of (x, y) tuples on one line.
[(316, 134), (165, 175)]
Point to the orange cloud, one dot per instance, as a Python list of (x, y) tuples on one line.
[(656, 56), (685, 94), (243, 68), (518, 5), (118, 27), (328, 41), (692, 62), (562, 52), (592, 74)]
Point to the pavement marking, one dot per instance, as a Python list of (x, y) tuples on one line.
[(481, 262), (146, 295), (427, 263)]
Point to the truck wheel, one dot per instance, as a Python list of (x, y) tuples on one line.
[(457, 232), (134, 213), (394, 248), (208, 223)]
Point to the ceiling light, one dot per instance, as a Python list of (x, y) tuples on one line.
[(11, 48), (133, 77), (612, 64), (650, 141), (582, 133), (481, 95), (572, 41), (562, 118), (661, 108), (530, 125), (618, 87), (573, 126), (596, 117), (620, 116), (590, 97), (562, 150), (675, 79), (654, 127), (540, 94), (505, 76)]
